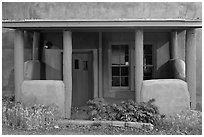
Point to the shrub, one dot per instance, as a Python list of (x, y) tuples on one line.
[(129, 110), (35, 117)]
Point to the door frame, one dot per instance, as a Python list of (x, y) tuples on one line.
[(94, 67)]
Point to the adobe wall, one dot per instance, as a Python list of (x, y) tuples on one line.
[(65, 11), (75, 11)]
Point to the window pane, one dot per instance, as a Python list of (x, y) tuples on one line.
[(148, 63), (147, 49), (116, 50), (115, 71), (124, 48), (124, 55), (124, 81), (124, 71), (126, 60), (115, 60), (122, 60), (148, 60), (115, 81), (115, 55), (148, 71)]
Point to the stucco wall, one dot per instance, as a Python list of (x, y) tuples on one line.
[(85, 40), (171, 95), (101, 10)]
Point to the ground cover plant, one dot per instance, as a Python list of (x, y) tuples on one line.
[(30, 118), (188, 122)]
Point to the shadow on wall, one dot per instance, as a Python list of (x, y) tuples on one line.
[(9, 88), (172, 69)]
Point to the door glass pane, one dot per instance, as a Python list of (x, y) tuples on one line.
[(76, 64), (115, 81), (85, 65)]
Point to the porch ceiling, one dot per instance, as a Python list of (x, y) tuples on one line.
[(96, 24)]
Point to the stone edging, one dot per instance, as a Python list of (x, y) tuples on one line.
[(106, 123)]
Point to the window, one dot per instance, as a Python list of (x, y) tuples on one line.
[(120, 65), (148, 62), (76, 64)]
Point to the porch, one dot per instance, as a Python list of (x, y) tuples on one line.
[(116, 51)]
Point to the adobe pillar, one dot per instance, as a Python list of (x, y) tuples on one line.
[(138, 63), (67, 71), (18, 62), (191, 65)]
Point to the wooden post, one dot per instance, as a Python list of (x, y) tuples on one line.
[(138, 63), (100, 88), (191, 65), (36, 40), (174, 45), (18, 62), (67, 71), (95, 73)]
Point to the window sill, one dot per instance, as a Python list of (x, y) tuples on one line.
[(125, 89)]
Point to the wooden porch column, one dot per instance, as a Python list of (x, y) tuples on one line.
[(174, 45), (191, 65), (36, 40), (138, 63), (100, 88), (67, 71), (18, 62)]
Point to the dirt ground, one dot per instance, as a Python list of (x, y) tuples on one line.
[(76, 130)]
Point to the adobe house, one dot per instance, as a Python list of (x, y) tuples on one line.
[(67, 56)]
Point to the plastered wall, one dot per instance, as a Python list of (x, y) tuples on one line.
[(135, 10), (86, 11)]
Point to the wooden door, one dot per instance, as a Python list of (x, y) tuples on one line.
[(82, 78)]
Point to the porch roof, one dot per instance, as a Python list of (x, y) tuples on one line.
[(120, 23)]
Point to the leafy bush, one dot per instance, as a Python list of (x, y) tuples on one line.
[(35, 117), (129, 110)]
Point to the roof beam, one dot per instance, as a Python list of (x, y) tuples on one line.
[(101, 24)]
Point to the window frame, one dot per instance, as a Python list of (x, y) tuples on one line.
[(153, 59), (130, 65)]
